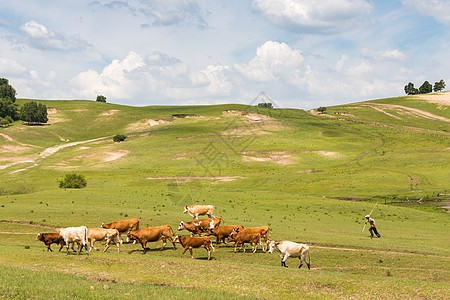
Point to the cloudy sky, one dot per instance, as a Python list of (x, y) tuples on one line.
[(302, 53)]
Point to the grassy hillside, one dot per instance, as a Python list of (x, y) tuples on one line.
[(310, 177)]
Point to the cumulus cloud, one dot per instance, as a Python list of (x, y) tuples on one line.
[(155, 77), (41, 37), (273, 60), (438, 9), (391, 54), (11, 67), (322, 17)]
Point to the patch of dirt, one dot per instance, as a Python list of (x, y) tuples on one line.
[(53, 120), (13, 148), (51, 110), (316, 113), (254, 117), (145, 123), (344, 114), (327, 154), (278, 159), (234, 112), (437, 98), (309, 171), (28, 224), (7, 137), (109, 112), (190, 178), (414, 111), (95, 158)]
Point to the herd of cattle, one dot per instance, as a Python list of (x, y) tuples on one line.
[(111, 232)]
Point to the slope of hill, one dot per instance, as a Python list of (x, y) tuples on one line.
[(291, 169)]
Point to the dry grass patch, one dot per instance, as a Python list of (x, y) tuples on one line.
[(277, 157), (94, 158), (144, 124), (437, 98)]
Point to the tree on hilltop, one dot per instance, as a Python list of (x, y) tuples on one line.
[(410, 89), (439, 86), (425, 88), (101, 98)]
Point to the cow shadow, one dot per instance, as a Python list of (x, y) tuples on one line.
[(156, 250)]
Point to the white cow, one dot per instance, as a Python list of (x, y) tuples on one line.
[(290, 249), (75, 235), (102, 234), (199, 210)]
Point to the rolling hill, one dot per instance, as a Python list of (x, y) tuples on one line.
[(311, 177)]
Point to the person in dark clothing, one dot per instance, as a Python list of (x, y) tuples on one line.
[(373, 226)]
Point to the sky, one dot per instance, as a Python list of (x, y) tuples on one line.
[(301, 53)]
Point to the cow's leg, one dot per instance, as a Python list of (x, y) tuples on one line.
[(120, 238), (117, 244), (190, 250), (235, 245), (144, 246), (209, 252), (108, 243), (67, 246), (185, 249), (61, 246), (283, 260), (171, 240), (86, 248), (48, 248), (91, 245), (164, 244)]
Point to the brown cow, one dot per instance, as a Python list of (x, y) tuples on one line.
[(263, 230), (51, 238), (222, 232), (101, 234), (243, 237), (123, 227), (199, 226), (152, 234), (190, 242), (199, 210)]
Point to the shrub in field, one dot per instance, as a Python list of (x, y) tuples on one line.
[(119, 137), (73, 181)]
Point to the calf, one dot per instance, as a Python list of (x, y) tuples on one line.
[(75, 235), (123, 227), (290, 249), (199, 226), (222, 232), (189, 242), (197, 210), (263, 230), (243, 237), (51, 238), (101, 234), (152, 234)]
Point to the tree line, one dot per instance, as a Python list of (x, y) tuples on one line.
[(30, 113), (425, 88)]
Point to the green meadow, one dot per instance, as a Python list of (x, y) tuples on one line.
[(311, 177)]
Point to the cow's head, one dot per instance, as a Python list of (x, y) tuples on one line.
[(236, 230), (185, 209), (272, 246), (176, 239), (40, 237), (181, 227)]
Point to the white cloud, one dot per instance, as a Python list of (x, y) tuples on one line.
[(391, 54), (323, 17), (273, 60), (39, 36), (11, 67), (438, 9)]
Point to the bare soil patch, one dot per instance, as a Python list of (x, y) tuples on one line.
[(285, 159), (7, 137), (109, 112), (13, 148), (145, 123), (327, 154), (414, 111), (438, 98), (190, 178)]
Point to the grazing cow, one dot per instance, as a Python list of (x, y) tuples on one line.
[(152, 234), (190, 242), (101, 234), (123, 227), (51, 238), (244, 237), (199, 210), (290, 249), (222, 232), (199, 226), (263, 230), (75, 235)]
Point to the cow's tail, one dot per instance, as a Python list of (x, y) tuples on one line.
[(309, 261), (171, 230), (138, 225), (222, 220)]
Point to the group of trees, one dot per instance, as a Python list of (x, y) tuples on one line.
[(31, 112), (425, 88)]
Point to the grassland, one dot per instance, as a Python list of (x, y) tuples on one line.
[(310, 177)]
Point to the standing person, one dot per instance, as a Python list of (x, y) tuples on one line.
[(373, 226)]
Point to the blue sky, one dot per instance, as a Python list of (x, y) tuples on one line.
[(303, 54)]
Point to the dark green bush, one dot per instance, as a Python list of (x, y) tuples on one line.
[(119, 137), (73, 181)]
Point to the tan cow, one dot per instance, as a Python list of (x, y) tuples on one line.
[(199, 226), (245, 237), (123, 227), (102, 234), (189, 242), (263, 230), (152, 234), (199, 210), (222, 232)]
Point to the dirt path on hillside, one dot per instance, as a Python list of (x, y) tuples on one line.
[(413, 111), (46, 153)]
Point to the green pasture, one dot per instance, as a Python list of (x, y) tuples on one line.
[(311, 178)]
